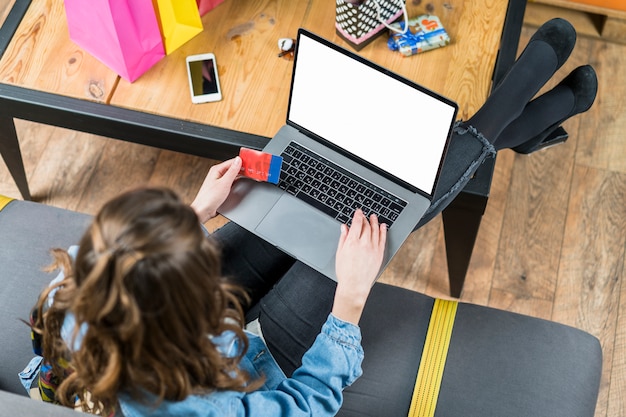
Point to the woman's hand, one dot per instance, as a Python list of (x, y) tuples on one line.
[(215, 188), (359, 258)]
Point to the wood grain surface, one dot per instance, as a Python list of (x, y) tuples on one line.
[(255, 82)]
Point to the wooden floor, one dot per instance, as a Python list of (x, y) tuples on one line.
[(551, 243)]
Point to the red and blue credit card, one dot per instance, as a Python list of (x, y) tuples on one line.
[(260, 166)]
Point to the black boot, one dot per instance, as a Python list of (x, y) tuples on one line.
[(545, 53), (542, 116)]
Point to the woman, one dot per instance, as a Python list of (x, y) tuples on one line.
[(144, 318), (148, 323)]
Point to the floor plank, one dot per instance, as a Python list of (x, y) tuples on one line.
[(591, 270), (604, 129), (480, 274), (415, 255), (617, 391), (67, 163)]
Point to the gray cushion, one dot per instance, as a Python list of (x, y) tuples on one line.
[(499, 363), (506, 364), (27, 233), (17, 405)]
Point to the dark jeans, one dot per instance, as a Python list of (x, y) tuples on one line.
[(292, 300)]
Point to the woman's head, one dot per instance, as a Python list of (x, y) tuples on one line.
[(146, 259), (147, 283)]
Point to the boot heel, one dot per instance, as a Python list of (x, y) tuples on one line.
[(559, 135)]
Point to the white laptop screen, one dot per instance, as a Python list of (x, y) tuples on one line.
[(388, 122)]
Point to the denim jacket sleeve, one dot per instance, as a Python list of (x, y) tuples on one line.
[(315, 389)]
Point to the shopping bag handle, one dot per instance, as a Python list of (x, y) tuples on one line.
[(404, 13)]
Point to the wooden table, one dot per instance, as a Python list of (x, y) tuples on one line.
[(46, 78)]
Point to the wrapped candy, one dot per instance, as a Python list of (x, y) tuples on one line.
[(425, 33)]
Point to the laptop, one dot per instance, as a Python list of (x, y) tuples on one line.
[(357, 136)]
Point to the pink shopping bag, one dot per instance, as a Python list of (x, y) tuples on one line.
[(122, 34), (204, 6)]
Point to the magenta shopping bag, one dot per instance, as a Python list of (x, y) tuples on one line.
[(204, 6), (122, 34)]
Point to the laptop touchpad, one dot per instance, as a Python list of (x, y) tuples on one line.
[(301, 230)]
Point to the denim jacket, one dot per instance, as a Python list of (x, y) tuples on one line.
[(315, 389)]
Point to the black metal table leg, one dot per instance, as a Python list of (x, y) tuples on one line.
[(461, 219), (10, 151)]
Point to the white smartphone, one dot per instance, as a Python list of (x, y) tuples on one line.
[(204, 83)]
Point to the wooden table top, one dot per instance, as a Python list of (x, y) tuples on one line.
[(243, 34)]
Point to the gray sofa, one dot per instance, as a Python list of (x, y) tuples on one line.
[(498, 363)]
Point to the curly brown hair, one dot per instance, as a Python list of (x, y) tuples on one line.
[(147, 283)]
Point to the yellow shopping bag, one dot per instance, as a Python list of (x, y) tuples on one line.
[(179, 21)]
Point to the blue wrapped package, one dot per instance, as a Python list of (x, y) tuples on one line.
[(425, 33)]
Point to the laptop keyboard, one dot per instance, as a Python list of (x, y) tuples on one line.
[(332, 189)]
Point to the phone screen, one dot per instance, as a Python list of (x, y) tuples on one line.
[(203, 77)]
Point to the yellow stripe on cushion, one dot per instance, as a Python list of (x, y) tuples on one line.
[(4, 201), (433, 362)]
